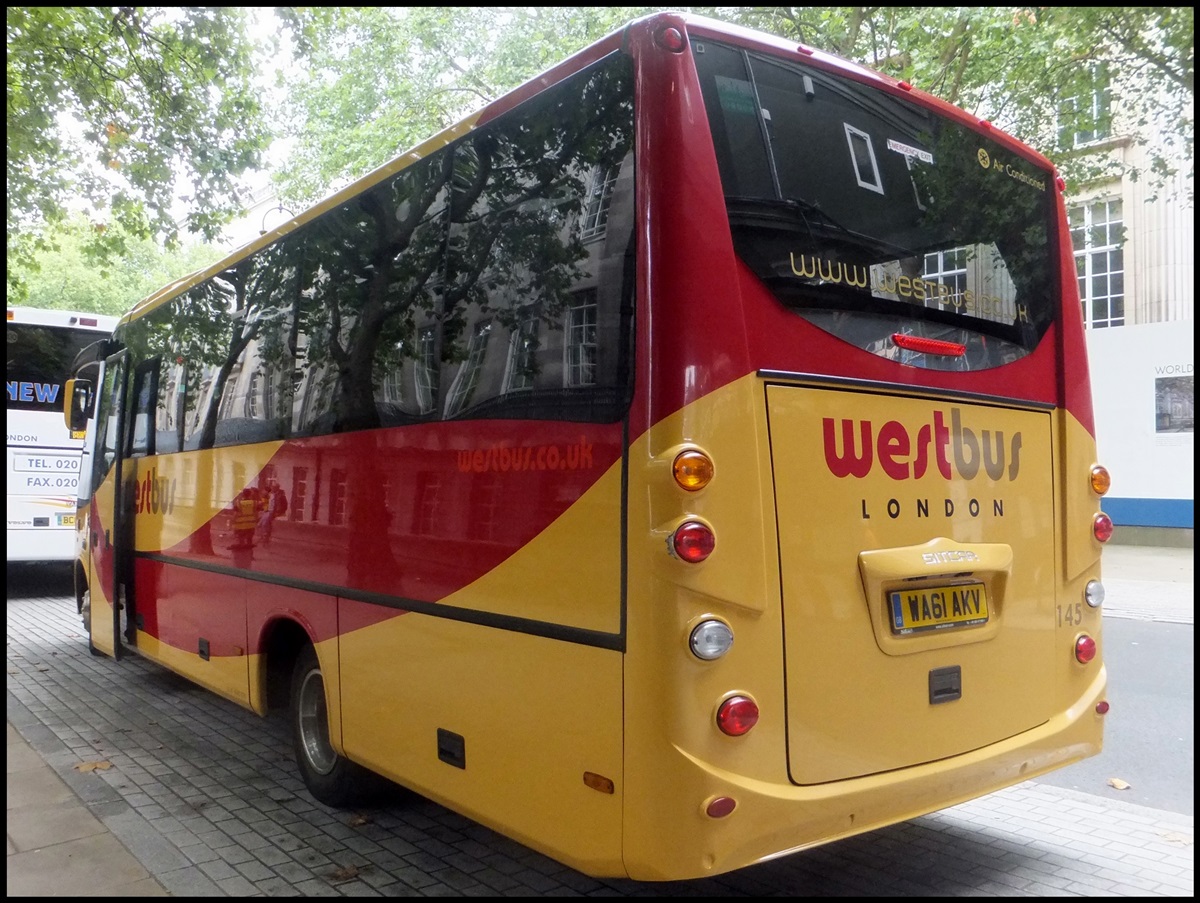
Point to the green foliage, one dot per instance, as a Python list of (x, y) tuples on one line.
[(124, 111), (62, 276), (121, 111), (381, 80), (378, 81), (1017, 65)]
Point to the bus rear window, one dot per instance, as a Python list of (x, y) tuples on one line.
[(871, 216), (39, 361)]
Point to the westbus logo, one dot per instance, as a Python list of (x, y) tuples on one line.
[(853, 450), (154, 495), (576, 456)]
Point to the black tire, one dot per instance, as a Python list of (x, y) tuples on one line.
[(329, 777)]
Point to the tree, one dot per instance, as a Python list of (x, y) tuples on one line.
[(144, 115), (378, 81), (61, 277), (381, 80), (1017, 66)]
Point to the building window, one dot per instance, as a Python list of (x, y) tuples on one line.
[(522, 346), (299, 493), (581, 341), (595, 208), (337, 497), (947, 268), (1085, 114), (468, 374), (426, 369), (1097, 234), (252, 396)]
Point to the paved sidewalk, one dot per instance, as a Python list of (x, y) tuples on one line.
[(56, 846), (79, 828)]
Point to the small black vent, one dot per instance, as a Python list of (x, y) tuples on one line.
[(945, 684), (452, 748)]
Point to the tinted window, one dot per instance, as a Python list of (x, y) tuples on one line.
[(871, 216)]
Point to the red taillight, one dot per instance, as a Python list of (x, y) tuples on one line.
[(1085, 649), (720, 807), (928, 346), (670, 38), (737, 715), (693, 541), (1102, 527)]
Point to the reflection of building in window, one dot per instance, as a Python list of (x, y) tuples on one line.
[(426, 367), (425, 515), (393, 386), (948, 268), (1085, 116), (1097, 234), (337, 497), (299, 493), (467, 379), (227, 393), (485, 507), (581, 341), (522, 346), (862, 156), (253, 407), (1175, 404), (599, 196)]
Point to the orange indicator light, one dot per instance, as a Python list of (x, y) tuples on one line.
[(692, 470)]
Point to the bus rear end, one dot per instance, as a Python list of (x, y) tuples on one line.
[(43, 455), (865, 518)]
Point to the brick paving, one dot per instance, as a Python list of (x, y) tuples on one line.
[(205, 796)]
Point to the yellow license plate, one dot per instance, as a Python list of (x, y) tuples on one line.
[(66, 520), (927, 608)]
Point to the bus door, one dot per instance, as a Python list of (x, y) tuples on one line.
[(110, 524)]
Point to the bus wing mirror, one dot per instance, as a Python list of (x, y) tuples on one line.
[(78, 401)]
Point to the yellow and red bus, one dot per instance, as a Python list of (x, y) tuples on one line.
[(686, 460)]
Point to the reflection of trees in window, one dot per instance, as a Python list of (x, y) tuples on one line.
[(581, 341), (468, 373), (1097, 233), (599, 196), (348, 321)]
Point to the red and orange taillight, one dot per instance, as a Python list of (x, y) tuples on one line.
[(1100, 481)]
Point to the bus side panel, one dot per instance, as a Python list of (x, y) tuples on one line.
[(194, 622), (534, 713), (499, 725)]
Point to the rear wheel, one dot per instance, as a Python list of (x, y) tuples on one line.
[(329, 776)]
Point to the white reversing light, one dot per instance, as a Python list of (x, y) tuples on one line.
[(711, 639)]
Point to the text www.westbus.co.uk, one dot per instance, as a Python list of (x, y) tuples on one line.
[(576, 456)]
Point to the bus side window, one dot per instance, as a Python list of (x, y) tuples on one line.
[(145, 395)]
